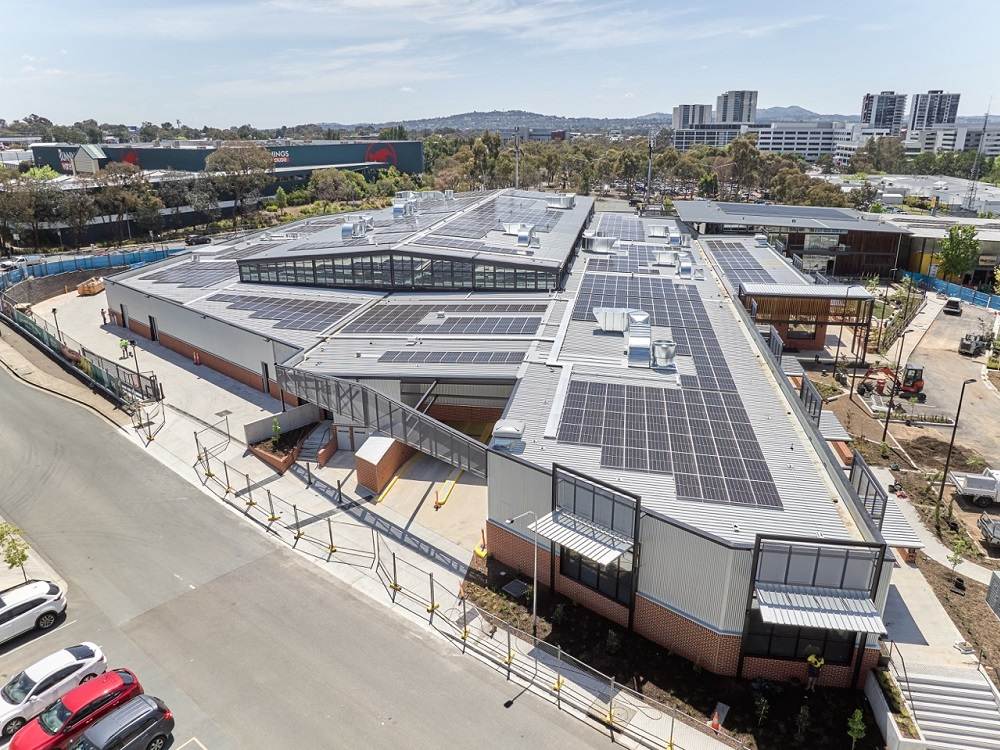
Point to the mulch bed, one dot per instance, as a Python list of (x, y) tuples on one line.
[(670, 679), (286, 443)]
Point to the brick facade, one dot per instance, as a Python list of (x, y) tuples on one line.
[(460, 413), (710, 650), (376, 476), (140, 328), (816, 342)]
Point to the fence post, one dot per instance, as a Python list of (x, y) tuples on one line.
[(331, 549), (270, 505), (376, 558), (510, 655), (249, 502), (465, 625), (434, 605), (298, 532), (208, 466), (197, 445), (340, 496), (394, 586), (611, 710), (558, 684), (225, 469), (309, 477)]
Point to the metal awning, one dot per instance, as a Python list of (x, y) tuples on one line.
[(896, 530), (816, 607), (831, 428), (595, 542)]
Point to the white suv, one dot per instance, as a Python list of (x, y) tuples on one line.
[(30, 605)]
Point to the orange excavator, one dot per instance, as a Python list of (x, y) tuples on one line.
[(885, 381)]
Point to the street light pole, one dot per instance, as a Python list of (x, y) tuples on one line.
[(892, 393), (135, 356), (947, 460), (534, 574)]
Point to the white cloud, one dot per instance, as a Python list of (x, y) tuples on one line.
[(407, 89)]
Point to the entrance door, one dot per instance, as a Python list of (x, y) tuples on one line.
[(124, 315), (152, 329), (265, 377)]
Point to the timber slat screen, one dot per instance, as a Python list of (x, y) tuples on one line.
[(364, 405)]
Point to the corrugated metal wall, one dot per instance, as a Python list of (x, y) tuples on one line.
[(694, 576), (515, 488)]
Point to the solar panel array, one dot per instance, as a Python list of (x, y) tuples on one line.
[(668, 304), (627, 257), (292, 314), (737, 262), (435, 319), (194, 274), (803, 212), (703, 438), (491, 216), (624, 227), (476, 358), (246, 252)]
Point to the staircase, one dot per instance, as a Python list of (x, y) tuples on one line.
[(958, 711), (316, 439)]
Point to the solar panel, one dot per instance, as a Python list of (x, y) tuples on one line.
[(194, 274), (669, 431), (668, 304), (478, 358), (473, 319), (622, 226), (628, 257), (291, 313)]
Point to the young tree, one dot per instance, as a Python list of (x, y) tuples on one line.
[(42, 202), (146, 213), (281, 199), (13, 547), (203, 200), (959, 252), (825, 163), (959, 549), (242, 171), (856, 727)]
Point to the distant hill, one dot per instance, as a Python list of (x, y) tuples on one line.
[(799, 114)]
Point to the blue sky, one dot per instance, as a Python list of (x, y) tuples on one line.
[(273, 62)]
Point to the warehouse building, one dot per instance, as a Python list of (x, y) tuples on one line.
[(190, 156), (646, 439)]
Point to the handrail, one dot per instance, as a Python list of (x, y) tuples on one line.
[(906, 677)]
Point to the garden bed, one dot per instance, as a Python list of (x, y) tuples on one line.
[(672, 680), (281, 453)]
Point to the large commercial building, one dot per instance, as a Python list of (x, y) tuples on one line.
[(691, 115), (810, 140), (847, 141), (736, 106), (933, 108), (646, 430), (940, 138), (835, 241), (190, 156), (883, 111), (713, 134)]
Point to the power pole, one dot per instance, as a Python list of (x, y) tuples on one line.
[(974, 174), (649, 166)]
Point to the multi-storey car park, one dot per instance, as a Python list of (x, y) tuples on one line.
[(679, 473)]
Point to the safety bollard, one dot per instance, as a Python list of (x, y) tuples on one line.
[(270, 504), (298, 531), (433, 606), (331, 549), (394, 586)]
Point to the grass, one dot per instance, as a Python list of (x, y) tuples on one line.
[(897, 706), (670, 679)]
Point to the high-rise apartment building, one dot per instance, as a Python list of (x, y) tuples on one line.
[(933, 108), (736, 106), (689, 115), (883, 111)]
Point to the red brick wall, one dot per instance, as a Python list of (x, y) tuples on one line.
[(512, 550), (832, 675), (115, 316), (713, 651), (459, 413), (376, 476), (218, 364), (590, 599), (137, 327)]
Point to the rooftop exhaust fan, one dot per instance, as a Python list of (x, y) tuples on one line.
[(637, 339), (663, 352), (525, 235), (659, 230), (602, 245), (563, 201), (449, 195)]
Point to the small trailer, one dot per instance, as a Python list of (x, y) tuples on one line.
[(991, 529), (981, 489)]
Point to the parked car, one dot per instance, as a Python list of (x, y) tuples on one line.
[(7, 265), (65, 719), (953, 306), (990, 528), (30, 605), (144, 723), (27, 693), (197, 239)]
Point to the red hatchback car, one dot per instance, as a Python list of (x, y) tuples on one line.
[(78, 709)]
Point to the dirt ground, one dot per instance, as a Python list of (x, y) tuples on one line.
[(970, 613)]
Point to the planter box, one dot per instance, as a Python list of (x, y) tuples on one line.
[(894, 740), (280, 465)]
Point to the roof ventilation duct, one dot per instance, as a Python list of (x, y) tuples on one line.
[(563, 201), (663, 355), (760, 240), (526, 235), (507, 431), (659, 230), (449, 195), (675, 238), (685, 269), (668, 258), (404, 195), (637, 339), (612, 319), (602, 245)]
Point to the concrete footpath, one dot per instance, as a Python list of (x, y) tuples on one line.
[(354, 539)]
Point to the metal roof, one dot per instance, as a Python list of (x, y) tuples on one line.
[(794, 217), (831, 428), (816, 607), (585, 537), (896, 530), (815, 291)]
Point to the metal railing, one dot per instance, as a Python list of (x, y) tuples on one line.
[(363, 405), (812, 401), (893, 648), (869, 489)]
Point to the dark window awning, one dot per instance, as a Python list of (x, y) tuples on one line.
[(591, 540), (816, 607)]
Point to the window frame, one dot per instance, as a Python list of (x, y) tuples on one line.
[(798, 638)]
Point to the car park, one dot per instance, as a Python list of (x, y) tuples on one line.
[(28, 693), (65, 719), (144, 723), (30, 605)]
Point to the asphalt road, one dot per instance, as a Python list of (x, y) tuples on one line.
[(945, 370), (249, 645)]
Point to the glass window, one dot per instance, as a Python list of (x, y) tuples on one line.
[(790, 642)]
